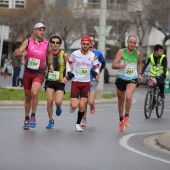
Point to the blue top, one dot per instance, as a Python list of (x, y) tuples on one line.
[(100, 58)]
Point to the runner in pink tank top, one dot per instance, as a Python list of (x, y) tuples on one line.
[(35, 51), (36, 56)]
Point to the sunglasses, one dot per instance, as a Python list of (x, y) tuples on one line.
[(53, 42), (85, 43)]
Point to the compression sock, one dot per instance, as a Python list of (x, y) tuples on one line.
[(80, 116)]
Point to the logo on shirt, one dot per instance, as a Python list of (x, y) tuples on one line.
[(95, 57), (36, 51)]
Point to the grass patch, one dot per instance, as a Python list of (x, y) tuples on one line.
[(109, 95), (18, 94)]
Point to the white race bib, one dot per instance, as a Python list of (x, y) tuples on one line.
[(129, 72), (33, 63), (54, 75), (83, 71)]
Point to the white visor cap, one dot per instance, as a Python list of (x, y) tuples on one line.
[(39, 25)]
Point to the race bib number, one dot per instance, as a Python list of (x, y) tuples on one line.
[(54, 75), (33, 63), (83, 71), (129, 72)]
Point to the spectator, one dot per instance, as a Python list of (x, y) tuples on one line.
[(2, 64), (16, 63), (21, 73)]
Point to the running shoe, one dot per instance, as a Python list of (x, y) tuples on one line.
[(71, 110), (126, 121), (32, 122), (92, 109), (26, 125), (83, 122), (58, 111), (121, 126), (78, 128), (50, 124)]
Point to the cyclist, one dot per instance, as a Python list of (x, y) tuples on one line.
[(158, 62)]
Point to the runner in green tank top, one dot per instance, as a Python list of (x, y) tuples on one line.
[(129, 65)]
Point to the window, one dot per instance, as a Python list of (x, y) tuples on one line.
[(94, 1), (4, 4), (12, 3), (20, 4)]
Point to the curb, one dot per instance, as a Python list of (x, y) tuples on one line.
[(43, 103), (164, 140)]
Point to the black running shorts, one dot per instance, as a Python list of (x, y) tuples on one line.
[(121, 84)]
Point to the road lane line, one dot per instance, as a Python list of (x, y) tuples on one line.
[(124, 143)]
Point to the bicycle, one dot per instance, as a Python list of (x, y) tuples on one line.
[(153, 99)]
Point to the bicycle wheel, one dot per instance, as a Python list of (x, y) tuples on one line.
[(160, 107), (148, 105)]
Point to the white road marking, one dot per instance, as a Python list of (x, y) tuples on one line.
[(124, 143)]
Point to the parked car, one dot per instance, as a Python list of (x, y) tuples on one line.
[(106, 75)]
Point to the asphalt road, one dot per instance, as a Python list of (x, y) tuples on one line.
[(101, 146)]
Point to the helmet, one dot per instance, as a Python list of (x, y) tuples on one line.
[(152, 81)]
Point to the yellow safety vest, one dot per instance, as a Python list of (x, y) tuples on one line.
[(157, 70)]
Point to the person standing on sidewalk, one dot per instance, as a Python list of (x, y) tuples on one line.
[(16, 63), (21, 73), (129, 64), (34, 50), (82, 60), (93, 80), (55, 81)]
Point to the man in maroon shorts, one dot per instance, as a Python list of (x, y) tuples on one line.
[(35, 51), (82, 61)]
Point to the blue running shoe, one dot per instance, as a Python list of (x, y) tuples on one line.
[(32, 122), (26, 125), (58, 111), (50, 124)]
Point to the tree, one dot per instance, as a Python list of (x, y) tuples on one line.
[(61, 21), (21, 21), (158, 16)]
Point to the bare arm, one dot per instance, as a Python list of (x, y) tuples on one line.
[(69, 65), (139, 66), (66, 57), (21, 51), (115, 64), (139, 62), (50, 59)]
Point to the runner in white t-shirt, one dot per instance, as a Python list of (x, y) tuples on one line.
[(82, 61)]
